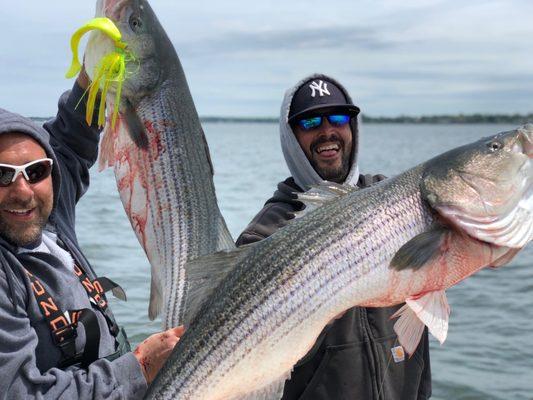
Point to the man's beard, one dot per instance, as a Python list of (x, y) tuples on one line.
[(332, 174), (24, 233)]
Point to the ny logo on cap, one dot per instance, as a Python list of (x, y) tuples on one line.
[(321, 87)]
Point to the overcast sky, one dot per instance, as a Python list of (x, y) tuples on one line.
[(413, 57)]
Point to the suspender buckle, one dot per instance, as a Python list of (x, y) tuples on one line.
[(65, 339), (64, 335)]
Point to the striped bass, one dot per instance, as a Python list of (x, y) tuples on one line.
[(160, 155), (405, 239)]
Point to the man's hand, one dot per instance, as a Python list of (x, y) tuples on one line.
[(154, 351), (83, 79)]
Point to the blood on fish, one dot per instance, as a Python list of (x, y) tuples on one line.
[(127, 159), (136, 165), (139, 224), (154, 138), (150, 127)]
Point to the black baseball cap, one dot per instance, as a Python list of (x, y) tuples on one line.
[(319, 95)]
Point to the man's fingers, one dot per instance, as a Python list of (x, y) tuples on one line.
[(178, 330)]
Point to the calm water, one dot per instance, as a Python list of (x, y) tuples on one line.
[(489, 350)]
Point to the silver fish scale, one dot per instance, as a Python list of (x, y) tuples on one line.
[(192, 224), (305, 272)]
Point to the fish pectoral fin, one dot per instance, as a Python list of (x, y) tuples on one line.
[(155, 305), (505, 258), (320, 195), (106, 149), (204, 274), (409, 329), (421, 249), (431, 310), (136, 128)]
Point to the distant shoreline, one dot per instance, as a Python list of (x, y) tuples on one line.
[(430, 119), (517, 119)]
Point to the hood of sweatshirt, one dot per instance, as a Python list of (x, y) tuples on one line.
[(15, 123), (299, 166)]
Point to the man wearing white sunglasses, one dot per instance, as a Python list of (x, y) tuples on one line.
[(356, 356), (58, 337), (26, 205)]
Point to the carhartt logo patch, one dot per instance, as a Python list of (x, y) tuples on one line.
[(398, 354), (321, 87)]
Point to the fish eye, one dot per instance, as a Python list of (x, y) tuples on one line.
[(495, 145), (135, 23)]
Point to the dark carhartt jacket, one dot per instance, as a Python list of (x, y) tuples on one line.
[(29, 358), (353, 357)]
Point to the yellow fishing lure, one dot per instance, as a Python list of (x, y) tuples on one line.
[(110, 70)]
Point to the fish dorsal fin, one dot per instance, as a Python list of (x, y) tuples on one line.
[(207, 153), (431, 310), (320, 195), (421, 249), (204, 274), (224, 239)]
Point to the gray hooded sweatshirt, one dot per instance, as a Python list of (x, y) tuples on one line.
[(353, 356), (28, 356), (300, 168)]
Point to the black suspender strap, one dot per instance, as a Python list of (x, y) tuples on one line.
[(92, 337), (93, 288), (96, 291), (91, 348), (96, 288), (63, 326)]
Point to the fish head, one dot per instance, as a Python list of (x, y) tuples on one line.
[(148, 47), (485, 188)]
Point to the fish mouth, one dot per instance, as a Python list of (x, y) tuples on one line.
[(526, 133), (112, 9)]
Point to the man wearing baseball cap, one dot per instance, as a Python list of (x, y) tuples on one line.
[(356, 356)]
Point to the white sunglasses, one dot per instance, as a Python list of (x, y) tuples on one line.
[(34, 171)]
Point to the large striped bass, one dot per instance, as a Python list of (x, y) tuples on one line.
[(160, 155), (406, 239)]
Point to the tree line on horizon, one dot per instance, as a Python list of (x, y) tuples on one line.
[(402, 119)]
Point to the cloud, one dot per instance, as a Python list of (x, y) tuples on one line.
[(413, 56), (338, 37)]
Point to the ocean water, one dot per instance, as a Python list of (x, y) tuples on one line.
[(489, 351)]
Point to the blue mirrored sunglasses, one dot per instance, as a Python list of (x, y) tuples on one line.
[(308, 124)]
